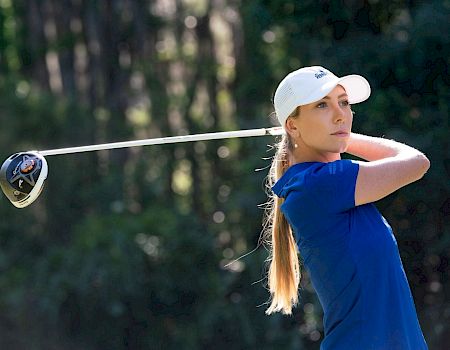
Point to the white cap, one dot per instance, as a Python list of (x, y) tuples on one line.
[(310, 84)]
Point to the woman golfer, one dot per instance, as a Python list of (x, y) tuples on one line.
[(324, 212)]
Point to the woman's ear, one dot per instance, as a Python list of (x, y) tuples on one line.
[(291, 127)]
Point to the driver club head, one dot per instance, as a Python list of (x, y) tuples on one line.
[(22, 177)]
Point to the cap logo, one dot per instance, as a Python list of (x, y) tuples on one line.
[(321, 73)]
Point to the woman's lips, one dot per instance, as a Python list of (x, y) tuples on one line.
[(340, 134)]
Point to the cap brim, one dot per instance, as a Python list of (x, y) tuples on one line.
[(356, 87)]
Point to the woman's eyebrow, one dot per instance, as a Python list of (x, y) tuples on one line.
[(342, 95)]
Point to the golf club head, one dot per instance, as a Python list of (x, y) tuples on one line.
[(22, 177)]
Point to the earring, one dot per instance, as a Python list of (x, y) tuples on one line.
[(295, 145)]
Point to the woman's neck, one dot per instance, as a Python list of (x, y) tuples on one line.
[(301, 156)]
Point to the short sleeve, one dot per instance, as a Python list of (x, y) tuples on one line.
[(333, 185)]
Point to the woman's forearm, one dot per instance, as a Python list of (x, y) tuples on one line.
[(375, 148), (391, 165)]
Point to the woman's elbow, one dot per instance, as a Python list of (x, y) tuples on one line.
[(424, 164)]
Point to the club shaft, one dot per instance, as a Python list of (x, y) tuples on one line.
[(165, 140)]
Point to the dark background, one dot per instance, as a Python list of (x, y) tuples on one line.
[(128, 249)]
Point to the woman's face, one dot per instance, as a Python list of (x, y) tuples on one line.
[(322, 129)]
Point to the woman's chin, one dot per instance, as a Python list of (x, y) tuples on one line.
[(338, 149), (342, 148)]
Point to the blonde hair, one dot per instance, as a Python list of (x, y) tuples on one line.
[(284, 269)]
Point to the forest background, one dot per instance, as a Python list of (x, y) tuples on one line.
[(129, 249)]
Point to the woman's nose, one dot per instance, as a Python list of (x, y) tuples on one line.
[(339, 114), (340, 120)]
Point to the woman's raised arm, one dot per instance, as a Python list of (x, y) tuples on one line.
[(391, 165)]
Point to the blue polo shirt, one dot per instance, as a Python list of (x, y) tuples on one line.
[(352, 259)]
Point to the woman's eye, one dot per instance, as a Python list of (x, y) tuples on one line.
[(341, 103)]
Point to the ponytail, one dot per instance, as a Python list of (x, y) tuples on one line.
[(284, 270)]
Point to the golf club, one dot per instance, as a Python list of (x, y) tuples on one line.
[(22, 175)]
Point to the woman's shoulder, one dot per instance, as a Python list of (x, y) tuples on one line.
[(294, 175), (312, 174)]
